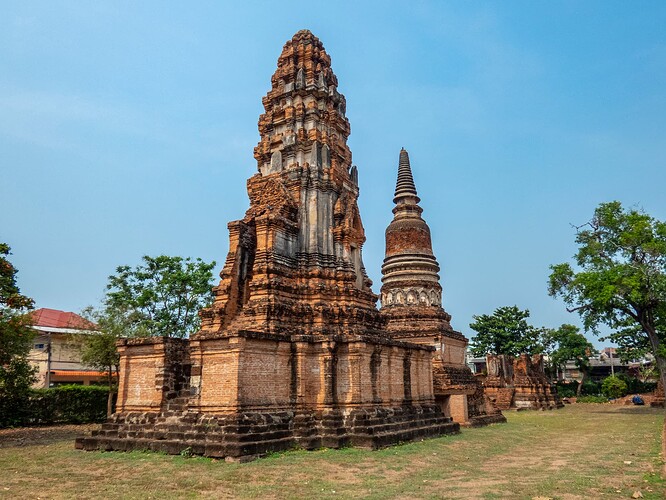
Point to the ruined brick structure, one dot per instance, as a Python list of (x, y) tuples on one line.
[(659, 400), (293, 351), (519, 383), (411, 299)]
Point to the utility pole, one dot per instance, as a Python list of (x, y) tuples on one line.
[(48, 360)]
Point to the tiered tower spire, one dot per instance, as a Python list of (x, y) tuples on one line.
[(295, 263)]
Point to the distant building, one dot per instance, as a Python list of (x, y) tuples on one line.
[(55, 350), (604, 365)]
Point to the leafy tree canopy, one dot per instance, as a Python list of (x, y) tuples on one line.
[(16, 373), (506, 331), (161, 297), (98, 350), (621, 278), (567, 343)]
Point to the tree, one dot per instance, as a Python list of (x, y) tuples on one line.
[(569, 344), (621, 277), (162, 297), (16, 373), (506, 331), (99, 351)]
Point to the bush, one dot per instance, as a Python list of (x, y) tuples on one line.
[(592, 399), (614, 387), (635, 386), (67, 404), (568, 389)]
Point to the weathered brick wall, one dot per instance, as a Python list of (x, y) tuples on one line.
[(519, 382), (264, 376), (151, 372), (257, 372)]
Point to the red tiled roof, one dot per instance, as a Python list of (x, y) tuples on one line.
[(60, 319)]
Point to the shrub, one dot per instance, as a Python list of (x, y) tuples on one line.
[(67, 404), (568, 389), (635, 386), (592, 399), (614, 387)]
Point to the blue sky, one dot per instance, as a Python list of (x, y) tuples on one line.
[(127, 128)]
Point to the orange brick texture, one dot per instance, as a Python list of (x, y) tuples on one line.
[(519, 383)]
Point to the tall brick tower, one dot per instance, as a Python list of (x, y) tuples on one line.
[(294, 264), (411, 300)]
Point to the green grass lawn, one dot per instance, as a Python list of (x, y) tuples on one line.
[(581, 451)]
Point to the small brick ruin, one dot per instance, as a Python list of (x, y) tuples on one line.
[(293, 352), (659, 401), (411, 305), (519, 383)]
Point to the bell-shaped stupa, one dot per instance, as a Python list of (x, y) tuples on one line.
[(411, 299)]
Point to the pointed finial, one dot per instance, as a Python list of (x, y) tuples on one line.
[(405, 186)]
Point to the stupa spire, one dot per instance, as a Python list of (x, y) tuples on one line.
[(405, 187), (410, 273)]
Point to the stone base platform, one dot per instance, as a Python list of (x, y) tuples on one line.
[(249, 435)]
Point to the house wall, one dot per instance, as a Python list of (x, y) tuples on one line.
[(65, 356)]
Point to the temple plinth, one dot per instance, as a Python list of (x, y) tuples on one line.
[(293, 350), (411, 299)]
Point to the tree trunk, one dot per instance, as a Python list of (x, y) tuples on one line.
[(580, 384), (109, 400), (656, 347)]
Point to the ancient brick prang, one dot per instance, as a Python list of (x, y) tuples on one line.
[(519, 383), (411, 299), (294, 264), (293, 351)]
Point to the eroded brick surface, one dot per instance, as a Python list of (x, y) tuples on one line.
[(519, 383)]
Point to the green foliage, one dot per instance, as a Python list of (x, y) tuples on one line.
[(567, 343), (506, 331), (614, 387), (16, 374), (636, 386), (566, 390), (66, 404), (98, 350), (161, 297), (570, 389), (621, 281), (592, 399)]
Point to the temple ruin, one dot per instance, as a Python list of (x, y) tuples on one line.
[(293, 351), (411, 300), (519, 383)]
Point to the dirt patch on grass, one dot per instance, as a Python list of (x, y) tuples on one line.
[(30, 436)]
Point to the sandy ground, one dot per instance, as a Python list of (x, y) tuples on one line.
[(26, 436)]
